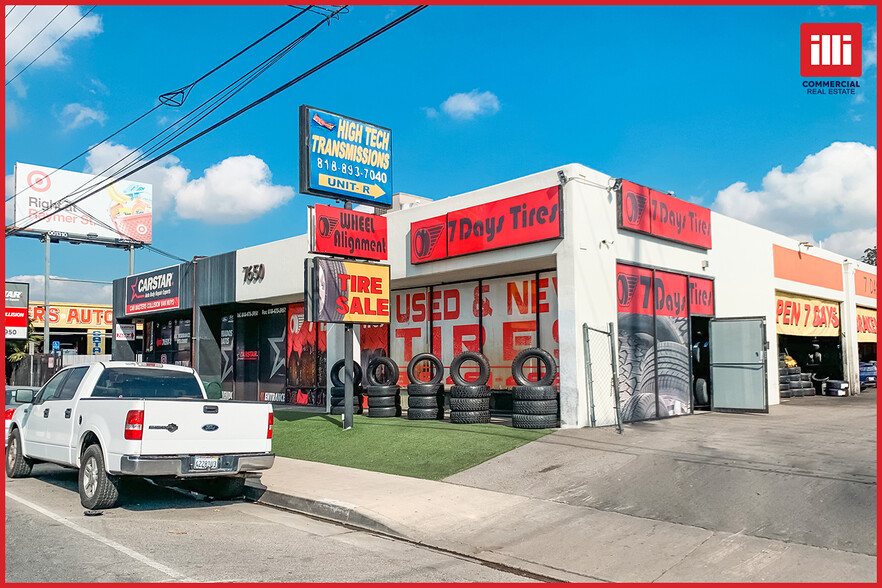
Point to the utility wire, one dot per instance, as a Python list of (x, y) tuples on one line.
[(219, 99), (241, 111), (63, 8), (21, 21), (50, 46), (188, 86), (10, 10)]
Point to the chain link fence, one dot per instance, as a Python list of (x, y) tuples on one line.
[(35, 369), (601, 376)]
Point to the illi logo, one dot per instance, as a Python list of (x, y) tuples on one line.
[(327, 226), (425, 240), (636, 207), (627, 287)]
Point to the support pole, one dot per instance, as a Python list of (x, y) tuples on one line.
[(349, 382), (46, 345), (131, 260), (586, 338)]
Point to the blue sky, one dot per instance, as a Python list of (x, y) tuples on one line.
[(705, 101)]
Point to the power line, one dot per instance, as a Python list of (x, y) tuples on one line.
[(21, 21), (63, 8), (10, 10), (241, 111), (50, 46), (162, 102)]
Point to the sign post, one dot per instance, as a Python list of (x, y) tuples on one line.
[(349, 383)]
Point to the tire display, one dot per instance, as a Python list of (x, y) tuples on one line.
[(437, 372), (422, 402), (469, 404), (469, 392), (544, 357), (383, 412), (423, 389), (533, 393), (422, 414), (390, 372), (98, 489), (534, 407), (533, 421), (483, 366), (338, 367), (469, 417), (338, 394)]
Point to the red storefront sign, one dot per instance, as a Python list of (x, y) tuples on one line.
[(348, 233), (634, 289), (701, 296), (661, 215), (670, 295), (527, 218)]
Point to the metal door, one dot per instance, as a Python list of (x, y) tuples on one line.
[(738, 364)]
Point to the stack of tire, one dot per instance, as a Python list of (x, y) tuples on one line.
[(792, 382), (383, 393), (836, 388), (470, 401), (535, 405), (338, 390), (425, 399)]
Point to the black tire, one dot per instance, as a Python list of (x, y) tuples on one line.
[(341, 401), (17, 465), (805, 376), (436, 363), (483, 366), (469, 392), (533, 421), (533, 392), (98, 489), (469, 417), (335, 372), (370, 391), (389, 367), (223, 488), (785, 393), (534, 407), (384, 412), (469, 404), (837, 384), (544, 357), (701, 396), (422, 402), (422, 414), (782, 371), (423, 389), (793, 370), (383, 401), (783, 385)]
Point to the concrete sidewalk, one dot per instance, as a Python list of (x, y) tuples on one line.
[(544, 536)]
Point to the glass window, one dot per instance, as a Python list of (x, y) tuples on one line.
[(51, 387), (67, 390), (146, 383)]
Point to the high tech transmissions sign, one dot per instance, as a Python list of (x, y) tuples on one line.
[(345, 158)]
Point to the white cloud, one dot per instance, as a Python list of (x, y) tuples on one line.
[(850, 243), (76, 115), (61, 291), (832, 193), (431, 112), (166, 176), (467, 106), (30, 29), (236, 190), (870, 53)]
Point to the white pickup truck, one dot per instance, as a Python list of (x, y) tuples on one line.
[(116, 419)]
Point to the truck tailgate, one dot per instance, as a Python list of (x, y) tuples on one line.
[(175, 427)]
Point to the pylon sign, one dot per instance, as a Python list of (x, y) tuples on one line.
[(345, 158)]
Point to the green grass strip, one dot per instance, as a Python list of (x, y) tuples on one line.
[(430, 450)]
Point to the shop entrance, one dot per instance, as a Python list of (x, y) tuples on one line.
[(700, 353), (819, 356), (738, 364)]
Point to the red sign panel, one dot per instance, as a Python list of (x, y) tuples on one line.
[(428, 239), (649, 211), (527, 218), (634, 289), (830, 49), (701, 296), (670, 295), (348, 233)]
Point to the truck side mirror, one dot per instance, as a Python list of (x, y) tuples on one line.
[(25, 396)]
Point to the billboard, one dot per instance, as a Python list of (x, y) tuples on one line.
[(347, 233), (121, 210), (806, 316), (152, 291), (16, 310), (648, 211), (345, 158), (348, 292), (522, 219)]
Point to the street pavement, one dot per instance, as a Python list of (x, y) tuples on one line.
[(788, 496)]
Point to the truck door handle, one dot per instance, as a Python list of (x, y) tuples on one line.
[(45, 413), (67, 413)]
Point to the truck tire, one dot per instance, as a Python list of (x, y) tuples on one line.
[(17, 465), (222, 488), (390, 369), (384, 412), (470, 392), (534, 421), (469, 404), (422, 414), (533, 392), (423, 389), (422, 402), (544, 357), (383, 401), (98, 489), (469, 417), (483, 366), (431, 358), (339, 366), (534, 407)]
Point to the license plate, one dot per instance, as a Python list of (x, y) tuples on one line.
[(204, 462)]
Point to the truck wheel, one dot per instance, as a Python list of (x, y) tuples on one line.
[(17, 465), (98, 489), (225, 488)]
